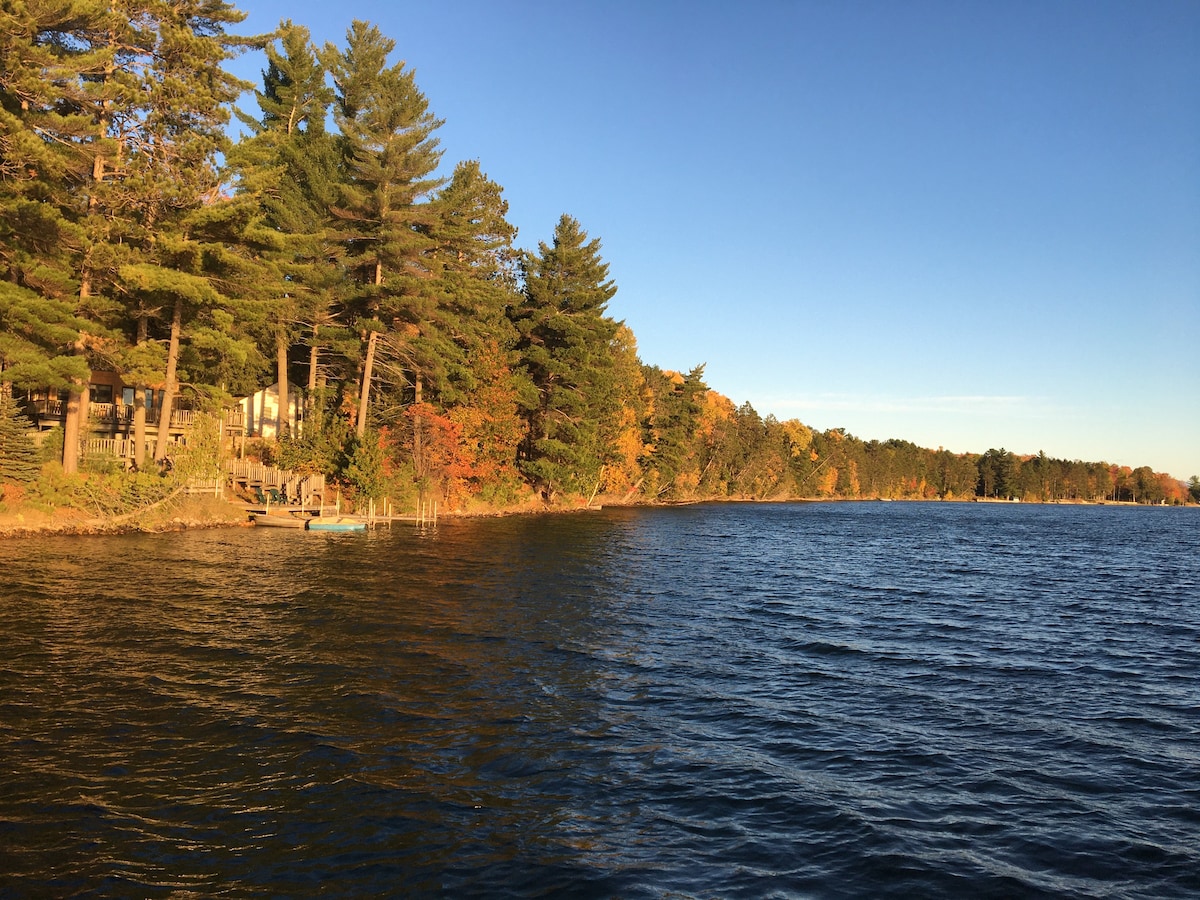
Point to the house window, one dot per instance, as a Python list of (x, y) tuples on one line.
[(127, 395), (100, 393)]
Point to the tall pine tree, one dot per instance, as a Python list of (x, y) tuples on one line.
[(53, 139), (276, 166), (391, 152), (565, 347), (473, 264)]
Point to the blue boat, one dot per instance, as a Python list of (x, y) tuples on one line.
[(335, 523)]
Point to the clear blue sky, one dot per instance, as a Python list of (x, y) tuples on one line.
[(964, 224)]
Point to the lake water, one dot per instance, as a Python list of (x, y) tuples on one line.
[(812, 700)]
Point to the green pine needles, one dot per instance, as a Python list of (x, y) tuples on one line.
[(19, 461)]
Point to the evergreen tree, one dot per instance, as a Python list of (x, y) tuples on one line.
[(33, 331), (276, 172), (116, 113), (187, 96), (672, 430), (997, 474), (465, 344), (473, 265), (565, 348), (18, 454), (294, 98), (390, 154), (53, 140)]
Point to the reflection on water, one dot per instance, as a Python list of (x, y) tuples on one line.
[(829, 700)]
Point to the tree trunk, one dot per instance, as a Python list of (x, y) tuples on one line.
[(312, 421), (169, 386), (282, 419), (313, 364), (360, 426), (76, 415), (368, 367), (418, 449), (139, 406), (139, 429), (76, 412), (314, 360), (75, 419)]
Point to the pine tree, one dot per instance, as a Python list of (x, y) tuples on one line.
[(565, 348), (673, 427), (51, 145), (279, 174), (473, 264), (462, 350), (18, 454), (33, 329), (187, 95), (391, 152), (116, 113)]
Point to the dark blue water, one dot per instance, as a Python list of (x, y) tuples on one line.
[(822, 700)]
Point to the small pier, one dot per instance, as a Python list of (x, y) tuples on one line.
[(283, 491)]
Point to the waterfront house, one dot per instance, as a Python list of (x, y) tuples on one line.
[(110, 419), (260, 411)]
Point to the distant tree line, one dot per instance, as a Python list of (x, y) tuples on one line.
[(323, 248)]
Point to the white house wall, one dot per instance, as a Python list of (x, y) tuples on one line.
[(261, 411)]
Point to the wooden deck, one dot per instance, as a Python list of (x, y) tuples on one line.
[(278, 487)]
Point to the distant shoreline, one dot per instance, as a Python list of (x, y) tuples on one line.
[(192, 513)]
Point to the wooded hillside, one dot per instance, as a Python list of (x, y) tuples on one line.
[(331, 247)]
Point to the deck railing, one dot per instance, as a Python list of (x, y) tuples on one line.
[(254, 475), (46, 409), (121, 414), (111, 413), (118, 446)]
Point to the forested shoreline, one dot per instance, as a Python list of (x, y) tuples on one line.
[(327, 247)]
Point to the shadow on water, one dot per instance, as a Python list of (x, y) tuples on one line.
[(298, 712)]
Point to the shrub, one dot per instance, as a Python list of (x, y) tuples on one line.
[(51, 449)]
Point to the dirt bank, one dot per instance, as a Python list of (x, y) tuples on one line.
[(176, 514)]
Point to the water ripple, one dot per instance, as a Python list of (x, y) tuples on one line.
[(823, 700)]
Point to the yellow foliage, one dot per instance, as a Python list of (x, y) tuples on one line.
[(827, 482), (623, 473), (799, 436), (687, 482), (714, 408), (853, 478)]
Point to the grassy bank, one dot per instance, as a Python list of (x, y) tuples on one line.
[(175, 513)]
